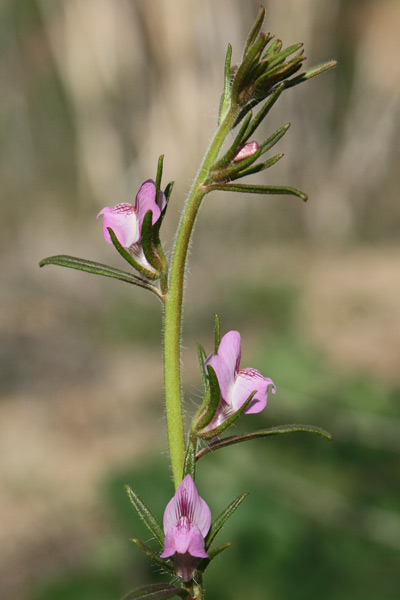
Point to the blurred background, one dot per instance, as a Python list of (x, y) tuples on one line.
[(92, 93)]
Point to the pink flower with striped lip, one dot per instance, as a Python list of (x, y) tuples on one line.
[(235, 384), (187, 520), (126, 219)]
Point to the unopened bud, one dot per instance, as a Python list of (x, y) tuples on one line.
[(245, 151)]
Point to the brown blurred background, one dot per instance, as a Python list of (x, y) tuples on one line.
[(93, 92)]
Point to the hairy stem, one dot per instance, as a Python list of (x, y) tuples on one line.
[(174, 301)]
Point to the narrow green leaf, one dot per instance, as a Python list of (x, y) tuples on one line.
[(313, 72), (157, 591), (251, 57), (255, 30), (214, 396), (125, 254), (203, 564), (259, 167), (160, 166), (147, 242), (273, 49), (262, 113), (274, 138), (202, 359), (246, 437), (168, 190), (147, 550), (217, 333), (228, 422), (189, 467), (223, 517), (96, 268), (146, 516), (282, 56), (259, 189), (215, 551), (226, 94)]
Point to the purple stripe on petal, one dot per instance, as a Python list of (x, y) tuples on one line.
[(123, 221), (248, 381)]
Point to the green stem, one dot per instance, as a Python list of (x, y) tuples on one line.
[(174, 300)]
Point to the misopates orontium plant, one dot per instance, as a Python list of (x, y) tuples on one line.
[(186, 537)]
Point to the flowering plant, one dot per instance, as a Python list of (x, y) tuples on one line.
[(185, 539)]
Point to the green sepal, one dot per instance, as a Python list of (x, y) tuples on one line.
[(246, 437), (168, 191), (89, 266), (313, 72), (149, 552), (160, 166), (274, 138), (239, 90), (189, 467), (274, 49), (228, 422), (202, 359), (262, 113), (217, 333), (203, 564), (125, 254), (157, 591), (222, 519), (259, 189), (210, 404), (282, 56), (257, 168), (148, 243), (226, 94), (146, 516), (255, 30)]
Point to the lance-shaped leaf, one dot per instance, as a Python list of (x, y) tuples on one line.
[(189, 467), (254, 435), (147, 242), (225, 102), (157, 591), (146, 516), (89, 266), (282, 56), (313, 72), (255, 30), (212, 398), (259, 189), (262, 113), (211, 555), (129, 258), (202, 359), (257, 168), (227, 422), (217, 333), (223, 517), (149, 552)]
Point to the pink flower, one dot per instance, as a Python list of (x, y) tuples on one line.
[(245, 151), (187, 520), (126, 220), (236, 385)]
